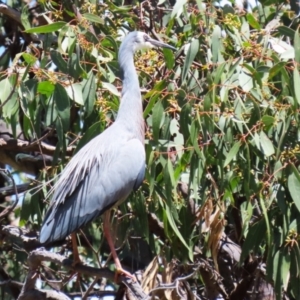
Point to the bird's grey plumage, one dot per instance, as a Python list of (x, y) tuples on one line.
[(105, 171)]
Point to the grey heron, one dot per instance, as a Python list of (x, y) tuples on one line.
[(107, 169)]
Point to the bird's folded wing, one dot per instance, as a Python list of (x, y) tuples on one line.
[(108, 180)]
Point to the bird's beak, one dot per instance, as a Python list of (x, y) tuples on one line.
[(159, 44)]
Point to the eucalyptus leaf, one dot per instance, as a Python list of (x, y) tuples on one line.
[(294, 189), (47, 28), (61, 99), (191, 54)]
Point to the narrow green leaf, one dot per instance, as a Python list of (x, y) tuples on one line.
[(157, 118), (195, 137), (295, 170), (62, 102), (286, 31), (75, 93), (191, 54), (89, 93), (252, 21), (171, 173), (218, 73), (277, 276), (177, 232), (61, 145), (51, 113), (276, 69), (285, 268), (111, 88), (169, 58), (294, 189), (296, 77), (25, 17), (8, 97), (150, 105), (265, 144), (47, 28), (45, 88), (23, 94), (30, 59), (297, 46), (153, 95), (185, 120), (232, 153), (93, 18), (216, 43), (263, 69), (109, 41), (74, 67), (59, 61), (246, 81), (268, 120), (295, 270), (166, 223), (266, 217), (67, 32), (26, 210), (178, 8)]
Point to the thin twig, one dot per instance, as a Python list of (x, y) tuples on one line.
[(87, 293), (173, 285)]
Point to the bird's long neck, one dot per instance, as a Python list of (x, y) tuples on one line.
[(131, 110)]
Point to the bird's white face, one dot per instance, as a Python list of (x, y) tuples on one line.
[(142, 41)]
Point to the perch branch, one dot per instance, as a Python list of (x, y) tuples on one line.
[(36, 258), (18, 145), (10, 190), (16, 16)]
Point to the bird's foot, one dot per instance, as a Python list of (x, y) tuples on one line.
[(121, 271)]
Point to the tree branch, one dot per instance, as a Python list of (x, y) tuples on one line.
[(16, 16), (18, 145), (20, 237), (10, 190), (36, 258)]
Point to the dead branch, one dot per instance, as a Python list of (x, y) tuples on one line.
[(13, 153), (173, 285), (35, 260), (20, 237), (16, 16), (10, 190), (10, 12), (18, 145), (43, 295)]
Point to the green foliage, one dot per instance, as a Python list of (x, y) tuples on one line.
[(222, 115)]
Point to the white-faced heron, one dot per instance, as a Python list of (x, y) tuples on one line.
[(105, 171)]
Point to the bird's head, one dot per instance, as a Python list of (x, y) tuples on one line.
[(144, 41), (137, 40)]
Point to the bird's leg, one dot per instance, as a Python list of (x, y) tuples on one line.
[(107, 233), (76, 258)]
